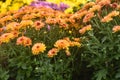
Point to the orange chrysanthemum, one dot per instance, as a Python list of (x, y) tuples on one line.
[(109, 16), (95, 8), (62, 44), (1, 29), (6, 37), (104, 2), (6, 18), (25, 41), (28, 17), (88, 5), (76, 39), (73, 43), (26, 23), (38, 48), (116, 29), (52, 52), (79, 14), (38, 25), (13, 26), (51, 21), (88, 17), (84, 29), (15, 33)]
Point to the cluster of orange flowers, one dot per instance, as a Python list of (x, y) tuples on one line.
[(89, 11), (42, 14), (110, 16), (25, 41), (14, 24), (64, 44)]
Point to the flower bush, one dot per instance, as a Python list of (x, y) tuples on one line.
[(101, 44), (38, 40), (43, 43)]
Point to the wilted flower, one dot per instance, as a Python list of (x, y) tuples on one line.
[(114, 5)]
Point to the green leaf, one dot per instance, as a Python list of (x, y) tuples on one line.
[(101, 74), (104, 39), (117, 56), (24, 66), (117, 75)]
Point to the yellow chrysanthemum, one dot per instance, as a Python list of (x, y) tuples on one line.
[(54, 1), (69, 10), (15, 6), (6, 37), (71, 3), (38, 48), (12, 4)]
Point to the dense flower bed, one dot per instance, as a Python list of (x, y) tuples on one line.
[(55, 45)]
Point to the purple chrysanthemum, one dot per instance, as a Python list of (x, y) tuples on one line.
[(54, 6)]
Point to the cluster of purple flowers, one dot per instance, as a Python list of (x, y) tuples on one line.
[(54, 6)]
